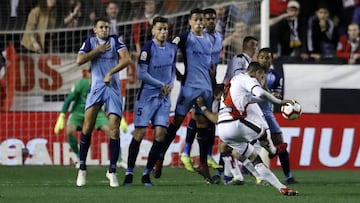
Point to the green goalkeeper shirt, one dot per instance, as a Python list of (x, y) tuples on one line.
[(77, 95)]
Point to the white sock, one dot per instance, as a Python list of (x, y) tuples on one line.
[(236, 170), (227, 166), (250, 167), (269, 176)]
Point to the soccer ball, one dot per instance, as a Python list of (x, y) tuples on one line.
[(291, 111)]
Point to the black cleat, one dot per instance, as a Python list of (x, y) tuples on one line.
[(146, 180), (204, 172), (291, 180), (128, 179)]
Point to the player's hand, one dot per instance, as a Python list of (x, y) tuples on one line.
[(59, 123), (277, 95), (200, 101), (107, 78), (123, 125), (103, 47), (285, 101), (165, 91)]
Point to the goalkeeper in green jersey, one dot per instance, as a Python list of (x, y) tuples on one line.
[(75, 121)]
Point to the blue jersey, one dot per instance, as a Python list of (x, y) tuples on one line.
[(156, 67), (196, 51), (216, 40), (274, 83), (102, 63)]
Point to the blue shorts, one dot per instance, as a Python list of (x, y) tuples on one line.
[(105, 95), (154, 109), (187, 99), (266, 108)]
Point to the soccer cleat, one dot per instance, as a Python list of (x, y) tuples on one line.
[(235, 181), (158, 169), (81, 178), (113, 179), (216, 179), (212, 163), (128, 179), (204, 172), (289, 192), (291, 180), (146, 180), (186, 160)]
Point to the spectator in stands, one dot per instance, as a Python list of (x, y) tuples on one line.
[(287, 36), (142, 30), (356, 15), (321, 34), (112, 13), (233, 43), (348, 48), (41, 18), (220, 25), (73, 13)]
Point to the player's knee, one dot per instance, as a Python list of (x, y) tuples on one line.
[(139, 134), (277, 138)]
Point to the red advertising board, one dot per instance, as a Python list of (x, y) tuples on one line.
[(315, 141)]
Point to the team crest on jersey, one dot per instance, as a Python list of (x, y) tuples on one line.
[(143, 56)]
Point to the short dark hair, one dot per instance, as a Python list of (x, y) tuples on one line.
[(100, 19), (196, 11), (266, 49), (209, 11), (159, 19), (255, 66)]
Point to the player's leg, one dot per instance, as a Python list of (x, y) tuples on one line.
[(210, 160), (85, 141), (134, 146), (283, 155), (153, 154), (248, 152), (203, 139), (189, 140)]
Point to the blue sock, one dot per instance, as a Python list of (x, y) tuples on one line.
[(129, 170), (187, 148), (114, 146), (85, 141), (146, 171)]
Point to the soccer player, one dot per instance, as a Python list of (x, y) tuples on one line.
[(240, 62), (216, 39), (238, 128), (75, 121), (274, 86), (108, 55), (156, 70), (196, 49), (77, 96)]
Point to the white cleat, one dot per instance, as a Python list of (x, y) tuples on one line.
[(81, 178), (113, 179)]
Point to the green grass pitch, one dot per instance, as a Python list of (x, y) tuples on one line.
[(37, 184)]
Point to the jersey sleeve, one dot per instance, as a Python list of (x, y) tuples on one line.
[(86, 46), (119, 44)]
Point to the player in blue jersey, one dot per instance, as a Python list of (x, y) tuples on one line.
[(216, 39), (274, 85), (196, 49), (156, 70), (108, 55)]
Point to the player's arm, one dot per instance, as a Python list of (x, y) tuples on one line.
[(124, 62), (213, 117), (265, 95), (89, 54), (144, 76)]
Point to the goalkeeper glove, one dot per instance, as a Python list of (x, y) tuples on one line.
[(123, 125), (59, 123)]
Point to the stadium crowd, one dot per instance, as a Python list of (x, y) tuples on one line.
[(304, 32)]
